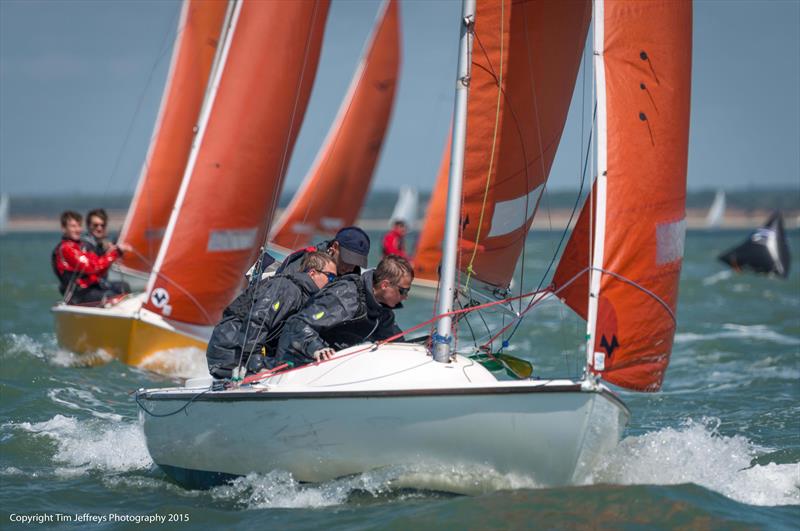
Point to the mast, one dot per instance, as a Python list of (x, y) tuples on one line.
[(442, 338), (596, 262)]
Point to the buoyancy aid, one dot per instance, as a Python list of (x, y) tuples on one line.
[(72, 264)]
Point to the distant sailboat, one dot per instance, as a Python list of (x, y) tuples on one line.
[(246, 130), (716, 213), (5, 203), (405, 209), (333, 191), (765, 250)]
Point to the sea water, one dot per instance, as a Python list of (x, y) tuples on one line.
[(717, 447)]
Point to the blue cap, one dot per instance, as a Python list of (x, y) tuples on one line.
[(353, 246)]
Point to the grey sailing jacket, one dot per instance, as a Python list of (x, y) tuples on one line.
[(253, 321)]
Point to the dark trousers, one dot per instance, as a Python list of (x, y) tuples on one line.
[(98, 292)]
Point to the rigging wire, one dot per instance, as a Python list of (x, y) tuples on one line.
[(290, 129), (129, 132), (569, 222)]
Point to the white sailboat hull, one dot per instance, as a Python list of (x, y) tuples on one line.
[(550, 431)]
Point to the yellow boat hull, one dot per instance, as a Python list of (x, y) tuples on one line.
[(122, 335)]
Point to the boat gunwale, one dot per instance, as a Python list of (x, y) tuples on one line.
[(265, 394)]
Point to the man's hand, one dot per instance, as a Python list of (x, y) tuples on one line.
[(324, 354)]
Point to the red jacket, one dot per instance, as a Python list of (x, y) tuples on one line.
[(393, 243), (71, 261)]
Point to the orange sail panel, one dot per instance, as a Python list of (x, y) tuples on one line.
[(247, 132), (429, 245), (525, 61), (640, 222), (196, 44), (344, 166)]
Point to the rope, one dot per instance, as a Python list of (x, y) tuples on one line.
[(494, 145)]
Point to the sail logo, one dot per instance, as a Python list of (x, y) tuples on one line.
[(160, 299)]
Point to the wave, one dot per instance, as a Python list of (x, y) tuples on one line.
[(47, 350), (178, 362), (89, 445), (737, 331), (717, 277), (697, 453), (694, 453)]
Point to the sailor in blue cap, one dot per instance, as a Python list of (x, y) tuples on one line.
[(349, 249)]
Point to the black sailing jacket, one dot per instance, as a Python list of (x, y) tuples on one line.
[(254, 321), (343, 314)]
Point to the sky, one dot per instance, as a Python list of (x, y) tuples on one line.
[(81, 81)]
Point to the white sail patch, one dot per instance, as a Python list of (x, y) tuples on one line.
[(231, 240), (670, 238), (331, 223), (512, 214), (302, 228)]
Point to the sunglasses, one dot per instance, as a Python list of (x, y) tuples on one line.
[(331, 276), (98, 225), (402, 291)]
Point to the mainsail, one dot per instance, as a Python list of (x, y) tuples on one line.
[(247, 131), (716, 213), (192, 57), (344, 165), (633, 224), (525, 61)]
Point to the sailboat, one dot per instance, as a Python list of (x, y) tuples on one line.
[(4, 209), (395, 404), (245, 131), (764, 251), (716, 212), (333, 192), (405, 209)]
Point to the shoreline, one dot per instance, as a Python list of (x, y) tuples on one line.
[(556, 220)]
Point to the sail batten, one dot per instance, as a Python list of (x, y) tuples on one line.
[(630, 233)]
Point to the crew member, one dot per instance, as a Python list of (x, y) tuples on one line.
[(252, 323), (96, 240), (394, 241), (349, 249), (351, 310), (79, 271)]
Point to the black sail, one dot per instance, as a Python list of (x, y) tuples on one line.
[(764, 251)]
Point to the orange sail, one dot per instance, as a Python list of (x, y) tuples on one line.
[(198, 33), (256, 104), (525, 60), (633, 224), (344, 166)]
